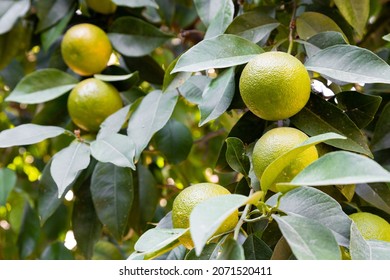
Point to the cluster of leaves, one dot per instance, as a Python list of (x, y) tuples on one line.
[(178, 67)]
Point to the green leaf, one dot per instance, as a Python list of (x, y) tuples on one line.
[(207, 10), (350, 64), (209, 252), (7, 183), (67, 164), (341, 168), (320, 116), (113, 123), (139, 40), (173, 81), (236, 156), (317, 205), (386, 37), (174, 140), (159, 107), (308, 239), (116, 148), (29, 232), (381, 138), (105, 250), (232, 250), (322, 41), (10, 12), (56, 251), (377, 194), (218, 52), (114, 78), (157, 241), (149, 70), (208, 215), (356, 13), (253, 26), (27, 134), (193, 88), (256, 249), (112, 195), (41, 86), (217, 96), (360, 108), (50, 12), (276, 167), (221, 21), (312, 23), (86, 226), (282, 250), (136, 3)]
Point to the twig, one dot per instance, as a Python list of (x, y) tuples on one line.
[(292, 28)]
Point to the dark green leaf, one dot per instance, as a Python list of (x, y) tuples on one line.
[(113, 123), (136, 3), (219, 52), (56, 251), (355, 12), (29, 232), (341, 168), (207, 10), (282, 250), (315, 204), (67, 164), (116, 148), (27, 134), (142, 126), (381, 138), (174, 140), (149, 70), (12, 43), (193, 88), (320, 116), (253, 26), (360, 108), (7, 183), (236, 156), (221, 21), (105, 250), (350, 64), (41, 86), (308, 239), (112, 195), (323, 40), (139, 40), (256, 249), (232, 250), (312, 23), (50, 12), (217, 96), (377, 194), (177, 253), (10, 12), (209, 252)]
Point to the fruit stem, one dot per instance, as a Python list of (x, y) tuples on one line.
[(292, 28), (242, 218)]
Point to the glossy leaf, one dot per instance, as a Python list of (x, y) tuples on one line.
[(341, 168), (323, 40), (27, 134), (139, 40), (136, 3), (193, 88), (41, 86), (175, 80), (320, 116), (377, 194), (7, 183), (116, 148), (112, 195), (276, 167), (217, 96), (312, 23), (317, 205), (308, 239), (67, 164), (142, 126), (218, 52), (253, 26), (236, 155), (350, 64), (360, 108), (10, 12), (256, 249), (174, 140), (52, 11), (207, 10), (386, 37), (355, 12), (56, 251), (148, 69), (232, 250), (29, 232), (114, 78), (208, 215), (381, 138), (221, 21), (209, 252), (113, 123)]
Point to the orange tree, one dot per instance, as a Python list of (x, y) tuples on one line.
[(107, 193)]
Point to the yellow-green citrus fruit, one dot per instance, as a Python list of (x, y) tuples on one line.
[(86, 49), (371, 226), (275, 143), (91, 101), (185, 202), (275, 85), (105, 7)]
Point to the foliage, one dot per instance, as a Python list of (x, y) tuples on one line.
[(177, 65)]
